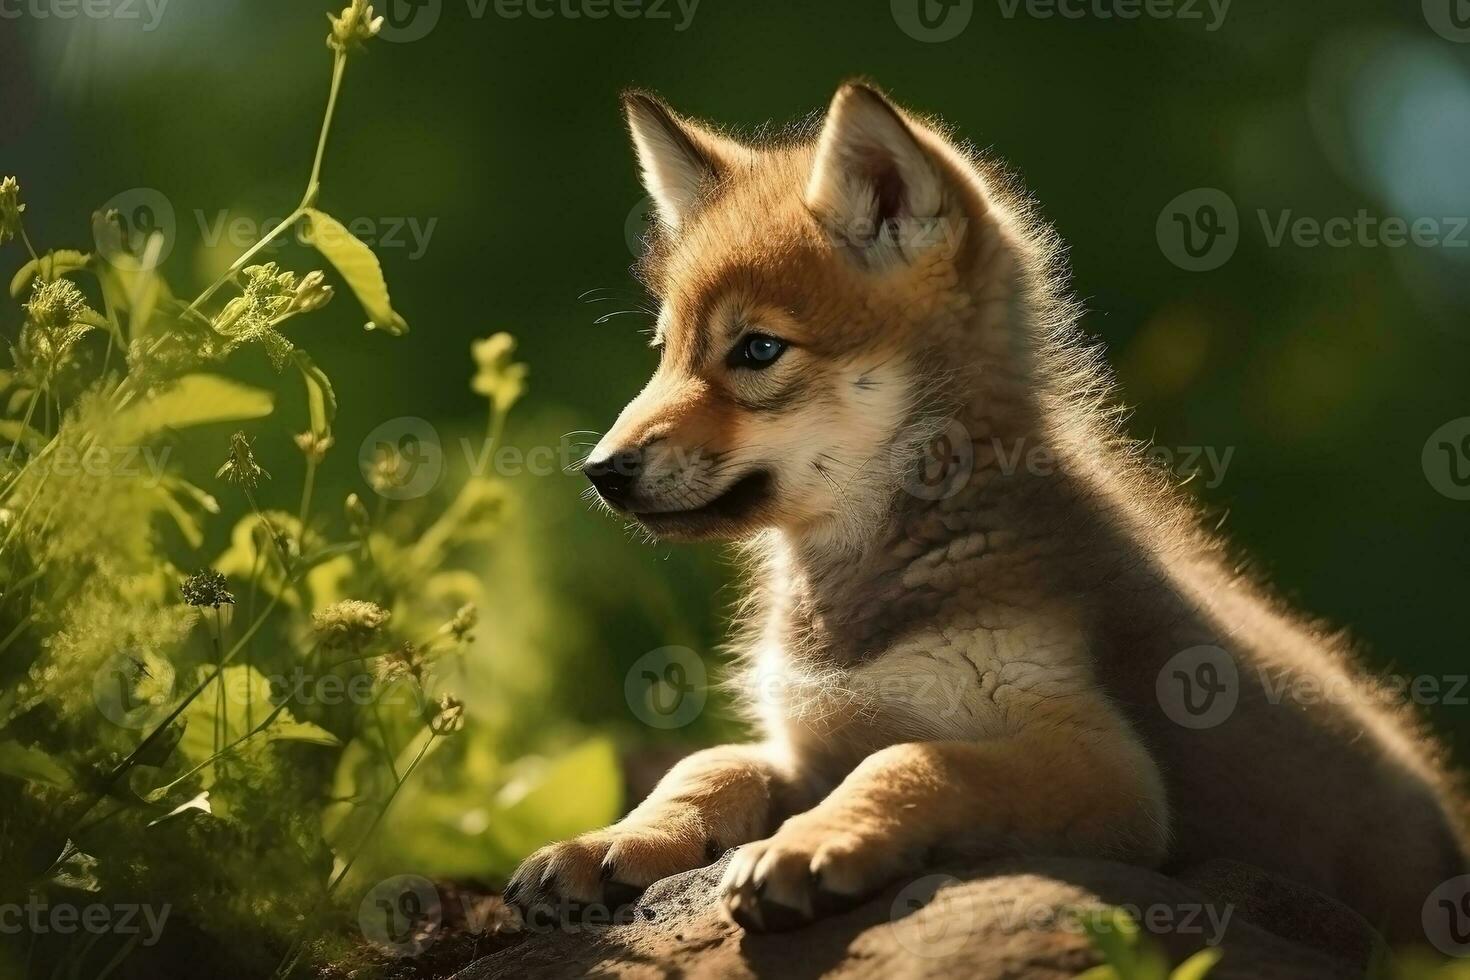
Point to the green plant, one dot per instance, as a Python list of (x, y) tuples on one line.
[(1422, 965), (1129, 955), (168, 728)]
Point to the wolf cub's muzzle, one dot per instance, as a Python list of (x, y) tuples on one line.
[(615, 476), (619, 479)]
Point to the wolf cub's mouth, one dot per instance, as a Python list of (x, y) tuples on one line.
[(743, 498)]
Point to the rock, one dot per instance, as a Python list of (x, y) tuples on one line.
[(1007, 919)]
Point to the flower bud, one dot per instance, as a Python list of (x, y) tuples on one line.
[(450, 716), (314, 447), (354, 25), (10, 209), (312, 293), (231, 314), (358, 517)]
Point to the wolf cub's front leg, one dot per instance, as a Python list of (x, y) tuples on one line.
[(709, 802), (1083, 785)]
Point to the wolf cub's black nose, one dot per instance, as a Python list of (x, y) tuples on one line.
[(614, 475)]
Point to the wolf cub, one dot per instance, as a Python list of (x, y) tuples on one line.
[(999, 659)]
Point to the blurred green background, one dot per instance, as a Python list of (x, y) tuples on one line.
[(1324, 370)]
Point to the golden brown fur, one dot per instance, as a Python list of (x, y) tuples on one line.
[(979, 667)]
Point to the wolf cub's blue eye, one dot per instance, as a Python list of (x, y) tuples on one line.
[(757, 351)]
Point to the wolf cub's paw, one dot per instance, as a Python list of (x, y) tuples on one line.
[(609, 867), (806, 870)]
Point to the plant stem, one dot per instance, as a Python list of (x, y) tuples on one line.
[(25, 425), (162, 790), (388, 749), (383, 812), (244, 260), (313, 186), (31, 248), (306, 490), (288, 962), (15, 524), (178, 709), (19, 628), (270, 530), (255, 565), (20, 585), (497, 427), (123, 953), (221, 699)]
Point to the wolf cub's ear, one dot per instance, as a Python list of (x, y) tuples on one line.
[(873, 184), (679, 159)]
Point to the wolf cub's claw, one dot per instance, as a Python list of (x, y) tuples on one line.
[(608, 868), (797, 876)]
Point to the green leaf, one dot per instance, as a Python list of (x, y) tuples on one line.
[(328, 579), (136, 289), (78, 871), (321, 399), (31, 765), (200, 803), (148, 286), (178, 498), (288, 729), (18, 398), (189, 525), (11, 431), (1199, 965), (364, 780), (247, 704), (358, 266), (198, 399), (251, 555), (558, 799), (1115, 936), (49, 266), (361, 783)]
